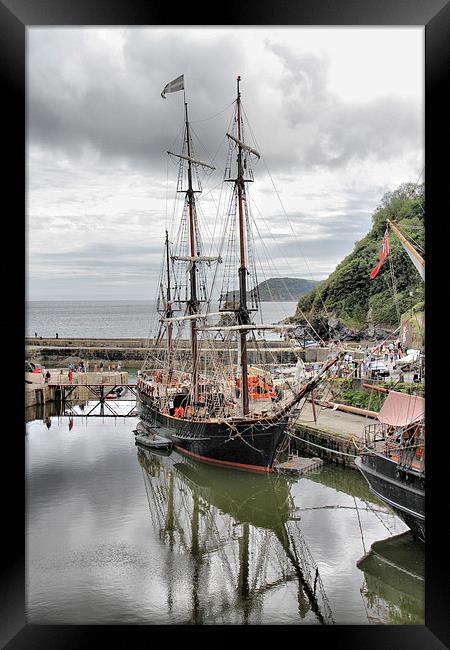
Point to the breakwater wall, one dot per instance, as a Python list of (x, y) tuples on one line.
[(132, 352)]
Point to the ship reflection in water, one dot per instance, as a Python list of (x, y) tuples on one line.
[(118, 535), (236, 525), (394, 572)]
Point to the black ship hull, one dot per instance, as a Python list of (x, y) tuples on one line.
[(400, 488), (244, 444)]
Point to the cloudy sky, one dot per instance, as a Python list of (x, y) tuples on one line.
[(337, 114)]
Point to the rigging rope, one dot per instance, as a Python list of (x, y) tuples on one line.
[(212, 116), (286, 215)]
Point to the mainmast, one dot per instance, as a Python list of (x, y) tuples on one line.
[(193, 301), (242, 313)]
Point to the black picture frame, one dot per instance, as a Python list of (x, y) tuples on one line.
[(15, 17)]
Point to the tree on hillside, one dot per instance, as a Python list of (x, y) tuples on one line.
[(350, 294)]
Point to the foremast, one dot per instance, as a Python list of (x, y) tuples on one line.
[(168, 312), (188, 251)]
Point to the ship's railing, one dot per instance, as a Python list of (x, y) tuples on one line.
[(375, 433), (412, 456), (405, 445)]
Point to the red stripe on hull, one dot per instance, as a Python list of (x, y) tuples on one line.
[(254, 468)]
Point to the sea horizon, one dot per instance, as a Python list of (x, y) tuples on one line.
[(132, 318)]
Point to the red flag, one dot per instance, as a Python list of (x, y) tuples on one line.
[(384, 252)]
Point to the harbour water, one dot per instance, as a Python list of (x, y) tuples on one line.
[(118, 535)]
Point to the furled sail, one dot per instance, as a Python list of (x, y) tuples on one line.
[(417, 263), (401, 409)]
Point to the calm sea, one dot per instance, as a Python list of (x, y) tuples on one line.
[(112, 319)]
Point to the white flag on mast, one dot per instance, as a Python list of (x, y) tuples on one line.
[(173, 86)]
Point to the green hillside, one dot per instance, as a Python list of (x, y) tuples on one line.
[(281, 289), (276, 289), (348, 297)]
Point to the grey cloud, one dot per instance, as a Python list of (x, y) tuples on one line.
[(98, 130), (335, 132), (306, 77), (79, 96), (117, 109), (382, 129), (101, 255)]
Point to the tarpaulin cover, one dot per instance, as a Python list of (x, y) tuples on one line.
[(401, 409)]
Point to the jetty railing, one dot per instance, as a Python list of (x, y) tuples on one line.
[(102, 399)]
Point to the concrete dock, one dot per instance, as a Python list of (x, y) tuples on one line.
[(336, 436)]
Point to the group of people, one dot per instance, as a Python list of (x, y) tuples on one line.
[(392, 352), (80, 367), (360, 367)]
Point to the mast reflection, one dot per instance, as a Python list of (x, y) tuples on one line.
[(234, 534)]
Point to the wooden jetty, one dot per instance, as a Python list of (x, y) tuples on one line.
[(298, 465)]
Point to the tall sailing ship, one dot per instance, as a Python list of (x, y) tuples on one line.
[(214, 405)]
